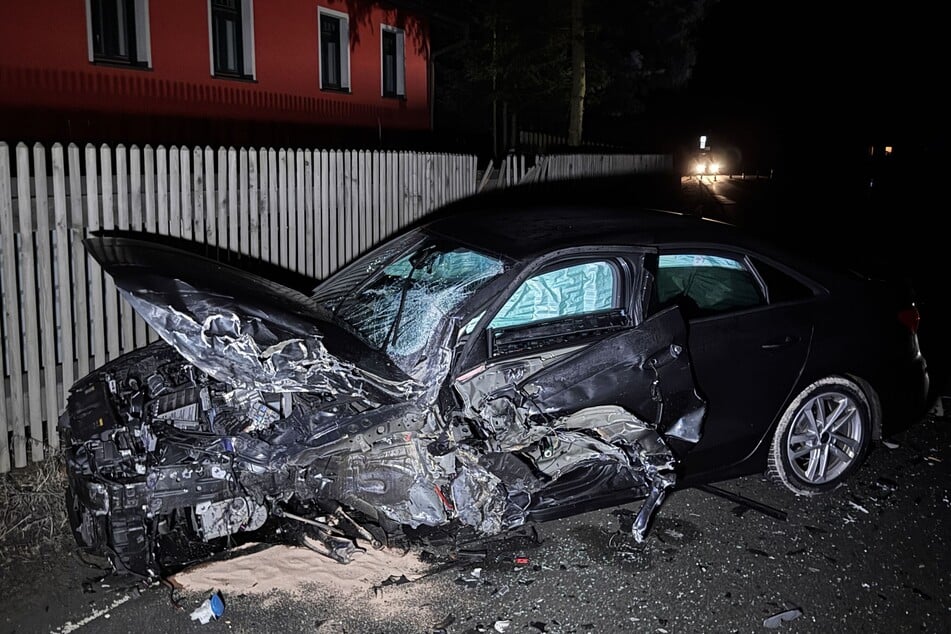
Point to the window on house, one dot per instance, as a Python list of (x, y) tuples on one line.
[(394, 75), (232, 38), (334, 50), (119, 31)]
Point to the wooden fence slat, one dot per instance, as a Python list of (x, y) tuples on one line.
[(264, 205), (366, 201), (244, 220), (80, 286), (174, 193), (254, 204), (47, 312), (300, 207), (320, 237), (233, 219), (135, 188), (110, 295), (93, 223), (185, 193), (377, 228), (326, 240), (136, 221), (292, 210), (11, 317), (394, 221), (339, 228), (161, 180), (273, 205), (122, 222), (353, 218), (307, 245), (198, 196), (211, 207), (64, 286), (27, 287), (364, 185), (282, 180), (221, 209), (348, 215), (151, 211)]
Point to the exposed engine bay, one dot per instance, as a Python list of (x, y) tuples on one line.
[(160, 453), (170, 462)]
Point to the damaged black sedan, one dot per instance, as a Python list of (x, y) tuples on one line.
[(518, 358)]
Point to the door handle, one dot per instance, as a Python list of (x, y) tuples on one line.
[(776, 344)]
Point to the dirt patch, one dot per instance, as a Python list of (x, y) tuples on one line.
[(378, 583), (33, 511), (293, 570)]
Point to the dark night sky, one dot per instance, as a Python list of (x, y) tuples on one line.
[(822, 75)]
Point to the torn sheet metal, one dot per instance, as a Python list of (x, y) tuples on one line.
[(264, 406)]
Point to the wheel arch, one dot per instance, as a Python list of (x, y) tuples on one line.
[(874, 404)]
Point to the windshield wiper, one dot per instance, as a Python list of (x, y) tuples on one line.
[(419, 260)]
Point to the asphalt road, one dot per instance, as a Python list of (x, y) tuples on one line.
[(873, 556)]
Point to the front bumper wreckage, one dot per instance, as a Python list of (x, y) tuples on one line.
[(241, 425)]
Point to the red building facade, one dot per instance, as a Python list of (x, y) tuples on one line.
[(108, 69)]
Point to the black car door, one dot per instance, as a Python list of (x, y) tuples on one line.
[(747, 353), (566, 337)]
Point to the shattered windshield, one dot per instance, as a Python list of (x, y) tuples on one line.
[(404, 300)]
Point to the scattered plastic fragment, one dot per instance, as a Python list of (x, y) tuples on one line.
[(859, 507), (501, 626), (470, 555), (521, 561), (772, 622), (473, 579), (539, 625), (392, 580), (212, 608), (891, 445)]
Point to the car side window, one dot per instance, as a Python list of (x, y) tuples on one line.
[(781, 286), (572, 290), (703, 284)]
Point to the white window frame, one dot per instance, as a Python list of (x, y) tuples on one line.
[(143, 34), (344, 48), (400, 61), (247, 41)]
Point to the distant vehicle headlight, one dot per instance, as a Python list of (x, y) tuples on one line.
[(699, 168), (714, 168)]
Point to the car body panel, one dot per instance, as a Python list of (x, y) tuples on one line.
[(275, 405)]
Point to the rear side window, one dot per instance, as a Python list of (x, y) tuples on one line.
[(703, 284), (781, 286), (569, 291)]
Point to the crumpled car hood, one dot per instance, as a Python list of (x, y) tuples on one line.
[(241, 328)]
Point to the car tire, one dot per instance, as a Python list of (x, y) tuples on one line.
[(822, 437)]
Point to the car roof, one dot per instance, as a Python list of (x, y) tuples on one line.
[(525, 221)]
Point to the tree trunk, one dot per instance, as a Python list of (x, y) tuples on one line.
[(577, 72)]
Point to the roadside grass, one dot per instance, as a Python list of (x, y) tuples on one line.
[(33, 511)]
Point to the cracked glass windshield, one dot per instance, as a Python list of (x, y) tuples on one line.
[(405, 295)]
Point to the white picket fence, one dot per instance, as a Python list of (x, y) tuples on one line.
[(517, 169), (309, 211)]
